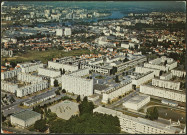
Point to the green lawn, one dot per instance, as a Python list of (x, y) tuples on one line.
[(45, 56)]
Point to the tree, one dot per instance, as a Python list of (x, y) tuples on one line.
[(3, 117), (63, 91), (40, 125), (57, 92), (78, 98), (12, 99), (21, 104), (61, 71), (152, 114), (117, 79), (56, 83), (13, 64)]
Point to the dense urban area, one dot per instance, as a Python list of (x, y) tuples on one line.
[(76, 70)]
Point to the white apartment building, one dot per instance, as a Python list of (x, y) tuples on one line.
[(24, 77), (114, 92), (29, 67), (74, 83), (81, 72), (138, 125), (67, 31), (131, 63), (9, 87), (8, 53), (178, 73), (48, 72), (166, 84), (166, 76), (98, 69), (143, 78), (137, 102), (157, 64), (145, 70), (59, 32), (164, 93), (29, 89), (10, 74), (59, 65), (24, 118)]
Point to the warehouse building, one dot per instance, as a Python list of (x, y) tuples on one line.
[(24, 118)]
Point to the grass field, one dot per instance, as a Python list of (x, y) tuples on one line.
[(45, 56), (172, 114)]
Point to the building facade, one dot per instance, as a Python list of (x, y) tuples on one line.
[(166, 84), (178, 73), (10, 74), (29, 89), (138, 125), (114, 92), (164, 93), (145, 70), (8, 87), (73, 83), (48, 72), (28, 78)]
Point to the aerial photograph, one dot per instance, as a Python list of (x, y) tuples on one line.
[(93, 67)]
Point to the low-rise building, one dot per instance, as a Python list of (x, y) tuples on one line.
[(137, 102), (24, 118)]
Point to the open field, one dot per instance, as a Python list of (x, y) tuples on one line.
[(45, 56), (172, 114)]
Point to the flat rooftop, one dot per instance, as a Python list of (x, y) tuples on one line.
[(137, 99), (26, 114)]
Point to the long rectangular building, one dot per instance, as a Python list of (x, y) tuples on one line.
[(164, 93), (10, 74), (166, 84), (145, 70), (114, 92), (138, 125), (48, 72), (131, 63)]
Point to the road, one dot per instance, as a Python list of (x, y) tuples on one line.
[(14, 107), (120, 101)]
